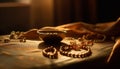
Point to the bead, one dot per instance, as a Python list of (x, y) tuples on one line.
[(50, 52), (69, 54)]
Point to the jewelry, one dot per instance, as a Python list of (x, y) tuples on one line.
[(96, 37), (66, 51), (87, 43), (101, 39), (23, 39), (50, 52)]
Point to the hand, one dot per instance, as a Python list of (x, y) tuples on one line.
[(114, 56)]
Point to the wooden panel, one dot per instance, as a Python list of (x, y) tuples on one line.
[(14, 16), (42, 13), (67, 11)]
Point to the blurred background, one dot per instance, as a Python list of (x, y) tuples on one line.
[(22, 15)]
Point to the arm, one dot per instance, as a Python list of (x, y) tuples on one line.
[(114, 56)]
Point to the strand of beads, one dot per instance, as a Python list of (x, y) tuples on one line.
[(66, 51), (50, 52), (78, 47), (96, 37)]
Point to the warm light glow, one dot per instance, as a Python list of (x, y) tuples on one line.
[(24, 1)]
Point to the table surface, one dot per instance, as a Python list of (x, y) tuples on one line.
[(18, 55)]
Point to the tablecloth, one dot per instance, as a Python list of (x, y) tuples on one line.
[(28, 55)]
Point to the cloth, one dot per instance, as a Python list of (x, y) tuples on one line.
[(18, 55)]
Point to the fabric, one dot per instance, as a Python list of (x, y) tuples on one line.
[(22, 55)]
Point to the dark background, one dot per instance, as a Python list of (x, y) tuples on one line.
[(19, 17)]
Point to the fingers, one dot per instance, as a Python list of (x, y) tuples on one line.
[(115, 53)]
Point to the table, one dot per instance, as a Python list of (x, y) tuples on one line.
[(28, 55)]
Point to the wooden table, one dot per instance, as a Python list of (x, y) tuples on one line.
[(28, 55)]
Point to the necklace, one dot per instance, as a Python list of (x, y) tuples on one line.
[(50, 52), (67, 51), (74, 50)]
